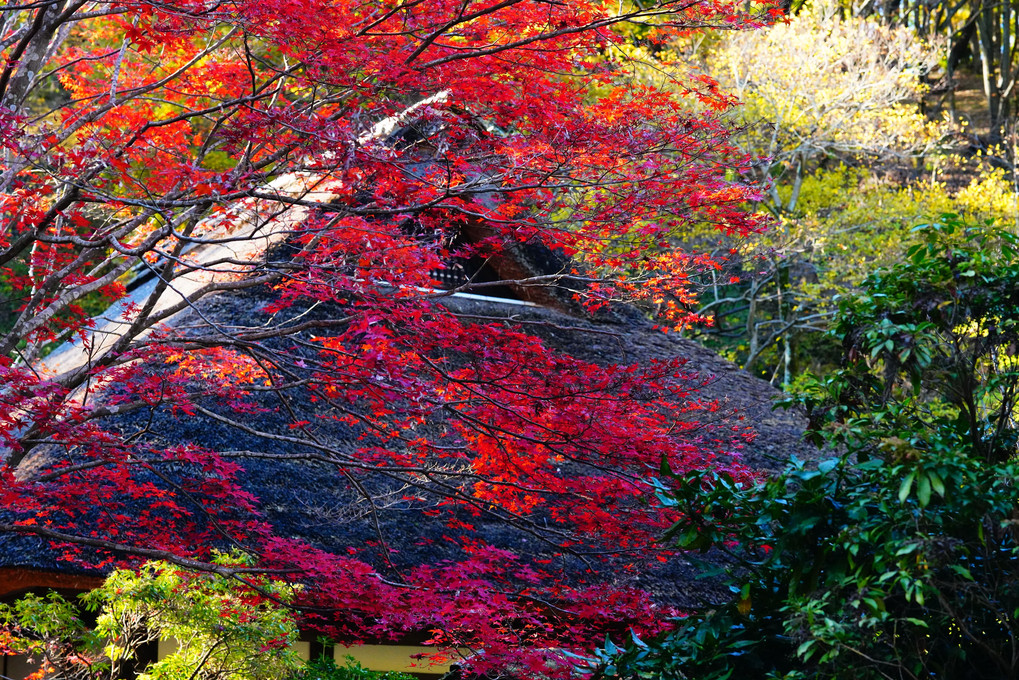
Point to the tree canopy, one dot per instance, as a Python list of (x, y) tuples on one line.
[(342, 155)]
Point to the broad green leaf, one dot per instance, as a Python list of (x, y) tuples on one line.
[(906, 486), (923, 490)]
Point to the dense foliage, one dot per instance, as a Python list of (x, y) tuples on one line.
[(891, 568), (823, 87), (899, 558), (866, 119)]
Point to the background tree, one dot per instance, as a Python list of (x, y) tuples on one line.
[(857, 156), (982, 41), (821, 87), (819, 92)]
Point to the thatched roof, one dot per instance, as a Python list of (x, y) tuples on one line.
[(298, 497)]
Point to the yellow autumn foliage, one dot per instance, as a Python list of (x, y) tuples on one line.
[(828, 84)]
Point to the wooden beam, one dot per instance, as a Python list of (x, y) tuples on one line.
[(18, 580)]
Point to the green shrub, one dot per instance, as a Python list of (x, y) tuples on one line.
[(898, 558)]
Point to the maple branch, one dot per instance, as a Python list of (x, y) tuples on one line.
[(460, 19), (471, 53), (331, 456)]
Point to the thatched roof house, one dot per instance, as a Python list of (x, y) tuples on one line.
[(293, 482)]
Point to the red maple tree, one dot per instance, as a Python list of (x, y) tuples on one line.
[(177, 148)]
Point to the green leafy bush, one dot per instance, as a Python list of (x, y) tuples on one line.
[(930, 347), (892, 567), (899, 557)]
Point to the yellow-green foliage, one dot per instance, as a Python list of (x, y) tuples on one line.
[(223, 629), (29, 625), (991, 194), (850, 224)]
